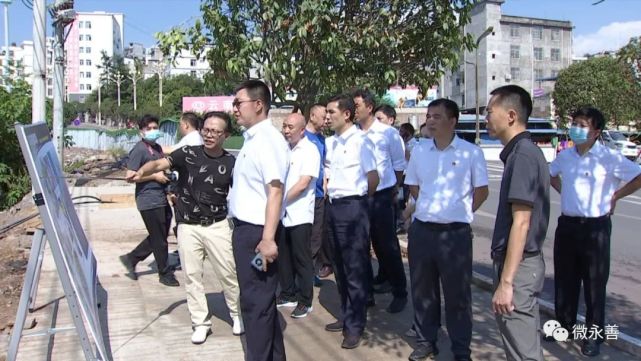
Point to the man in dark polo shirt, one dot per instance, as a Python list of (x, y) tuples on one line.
[(521, 224)]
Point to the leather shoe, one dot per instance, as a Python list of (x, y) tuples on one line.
[(350, 341), (423, 351), (590, 348), (168, 279), (397, 305), (325, 271), (334, 327), (130, 265)]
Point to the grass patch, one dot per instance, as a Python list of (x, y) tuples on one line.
[(234, 142)]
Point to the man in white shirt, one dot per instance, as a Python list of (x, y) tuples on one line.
[(188, 127), (385, 114), (448, 178), (295, 265), (255, 205), (390, 163), (591, 179), (352, 177)]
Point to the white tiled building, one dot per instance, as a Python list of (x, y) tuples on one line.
[(21, 58)]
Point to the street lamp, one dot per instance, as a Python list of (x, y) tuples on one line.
[(7, 57), (476, 82)]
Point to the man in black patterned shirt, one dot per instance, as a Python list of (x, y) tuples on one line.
[(205, 176)]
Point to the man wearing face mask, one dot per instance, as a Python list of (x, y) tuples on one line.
[(151, 201), (591, 179)]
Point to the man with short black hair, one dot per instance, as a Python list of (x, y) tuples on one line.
[(521, 224), (390, 163), (205, 174), (188, 127), (385, 114), (255, 205), (591, 179), (352, 178), (151, 201)]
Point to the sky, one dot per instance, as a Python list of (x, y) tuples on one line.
[(606, 26)]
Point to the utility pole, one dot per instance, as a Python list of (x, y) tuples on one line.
[(476, 75), (7, 55), (62, 14), (38, 111), (99, 116)]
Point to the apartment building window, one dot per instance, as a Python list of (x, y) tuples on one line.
[(538, 53), (555, 73), (515, 73), (88, 24), (49, 92), (88, 87), (81, 50), (88, 37), (538, 74), (555, 54), (193, 73), (514, 31), (81, 37), (82, 62), (49, 81), (82, 87), (556, 34), (80, 24), (515, 51), (88, 62), (82, 74), (88, 74), (88, 50), (192, 62), (537, 33)]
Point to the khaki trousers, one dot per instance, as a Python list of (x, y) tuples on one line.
[(195, 244)]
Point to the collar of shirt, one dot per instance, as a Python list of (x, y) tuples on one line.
[(454, 144), (375, 127), (253, 130), (347, 134), (300, 143), (509, 147), (595, 150)]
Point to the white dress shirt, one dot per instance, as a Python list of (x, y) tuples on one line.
[(589, 181), (350, 159), (304, 161), (330, 144), (389, 150), (263, 158), (446, 180), (192, 138)]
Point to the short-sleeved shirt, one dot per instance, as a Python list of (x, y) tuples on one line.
[(191, 138), (526, 181), (151, 194), (352, 157), (389, 150), (264, 158), (319, 141), (203, 183), (590, 180), (446, 180), (304, 161)]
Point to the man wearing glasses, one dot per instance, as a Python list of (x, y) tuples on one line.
[(255, 205), (205, 174)]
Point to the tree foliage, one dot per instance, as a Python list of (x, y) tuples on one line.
[(317, 48), (602, 82)]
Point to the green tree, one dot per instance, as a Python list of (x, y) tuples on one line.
[(317, 48), (630, 55), (604, 83)]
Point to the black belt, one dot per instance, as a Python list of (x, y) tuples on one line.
[(500, 255), (346, 199), (205, 221), (584, 220), (237, 222), (386, 190), (443, 226)]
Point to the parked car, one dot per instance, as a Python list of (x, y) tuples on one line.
[(616, 140)]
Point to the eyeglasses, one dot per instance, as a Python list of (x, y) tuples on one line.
[(215, 132), (236, 103)]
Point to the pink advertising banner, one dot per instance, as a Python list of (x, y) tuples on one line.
[(72, 46), (207, 104)]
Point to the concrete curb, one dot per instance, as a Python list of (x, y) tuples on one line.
[(624, 342)]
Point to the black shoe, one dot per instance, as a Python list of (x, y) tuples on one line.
[(397, 305), (371, 302), (423, 351), (168, 279), (590, 348), (130, 265), (301, 311), (334, 327), (350, 342), (384, 287)]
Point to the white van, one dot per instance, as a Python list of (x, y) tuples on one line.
[(616, 140)]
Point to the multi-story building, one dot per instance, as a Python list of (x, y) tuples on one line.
[(187, 63), (528, 52), (21, 63), (90, 35)]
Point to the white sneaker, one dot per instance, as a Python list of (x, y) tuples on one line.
[(238, 328), (200, 334)]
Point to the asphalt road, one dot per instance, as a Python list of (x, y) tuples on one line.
[(624, 287)]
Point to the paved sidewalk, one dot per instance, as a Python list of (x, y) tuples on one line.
[(148, 321)]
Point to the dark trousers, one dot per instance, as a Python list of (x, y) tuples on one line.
[(321, 251), (349, 225), (385, 242), (581, 254), (442, 253), (295, 264), (157, 221), (257, 296)]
